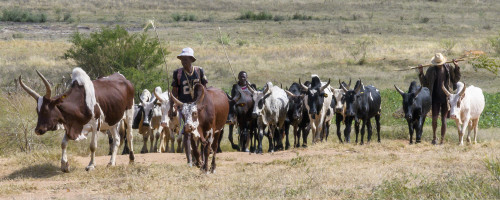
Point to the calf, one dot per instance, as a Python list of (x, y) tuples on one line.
[(362, 103), (87, 106), (317, 101), (466, 108), (270, 110), (170, 123), (416, 104), (204, 119), (296, 116)]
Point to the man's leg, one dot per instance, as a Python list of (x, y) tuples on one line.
[(435, 115), (444, 114)]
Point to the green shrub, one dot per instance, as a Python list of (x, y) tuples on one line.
[(494, 42), (250, 15), (358, 50), (425, 20), (224, 39), (298, 16), (113, 49), (18, 15), (487, 63), (184, 17), (176, 17)]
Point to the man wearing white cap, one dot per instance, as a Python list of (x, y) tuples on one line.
[(437, 75), (183, 83)]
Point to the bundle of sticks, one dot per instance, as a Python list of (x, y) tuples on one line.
[(467, 55)]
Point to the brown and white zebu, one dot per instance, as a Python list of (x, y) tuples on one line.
[(204, 119), (170, 123), (97, 105), (466, 108)]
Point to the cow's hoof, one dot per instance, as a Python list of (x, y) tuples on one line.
[(65, 167), (468, 140), (111, 164), (131, 157), (144, 151), (190, 164), (434, 142), (212, 171), (90, 168), (247, 150), (304, 145)]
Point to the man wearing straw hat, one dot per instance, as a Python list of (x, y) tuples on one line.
[(437, 75), (183, 83)]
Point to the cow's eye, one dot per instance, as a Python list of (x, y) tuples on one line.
[(260, 104), (325, 95)]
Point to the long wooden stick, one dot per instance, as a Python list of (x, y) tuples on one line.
[(163, 53), (429, 65), (227, 57)]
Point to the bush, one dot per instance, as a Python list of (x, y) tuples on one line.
[(358, 50), (494, 42), (18, 15), (447, 45), (136, 56), (249, 15), (425, 20), (184, 17), (224, 39), (298, 16), (485, 62)]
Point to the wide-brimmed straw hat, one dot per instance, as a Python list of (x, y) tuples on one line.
[(438, 59), (187, 52)]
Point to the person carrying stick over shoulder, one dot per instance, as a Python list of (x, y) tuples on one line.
[(437, 75)]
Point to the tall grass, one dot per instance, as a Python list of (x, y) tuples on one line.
[(19, 15)]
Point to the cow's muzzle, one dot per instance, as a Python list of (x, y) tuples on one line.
[(163, 124), (40, 131), (338, 110), (254, 115)]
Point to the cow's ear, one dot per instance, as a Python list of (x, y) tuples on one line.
[(200, 108)]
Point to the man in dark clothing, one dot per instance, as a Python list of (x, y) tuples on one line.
[(437, 75), (242, 84), (183, 83)]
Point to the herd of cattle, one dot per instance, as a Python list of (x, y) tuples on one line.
[(107, 104)]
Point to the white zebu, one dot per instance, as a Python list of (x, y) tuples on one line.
[(149, 126), (320, 119), (171, 124), (466, 108), (270, 108)]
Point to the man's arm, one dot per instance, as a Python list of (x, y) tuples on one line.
[(456, 73), (175, 93), (203, 78), (421, 76)]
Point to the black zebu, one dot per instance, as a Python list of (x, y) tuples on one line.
[(416, 104), (241, 107), (297, 116), (362, 103)]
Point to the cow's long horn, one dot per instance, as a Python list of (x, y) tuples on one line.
[(158, 97), (48, 90), (289, 93), (237, 97), (267, 88), (342, 86), (140, 100), (201, 97), (31, 92), (250, 88), (462, 92), (418, 91), (176, 101), (445, 91), (325, 86), (303, 86), (399, 90), (349, 86)]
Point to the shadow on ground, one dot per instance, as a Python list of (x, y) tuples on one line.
[(45, 170)]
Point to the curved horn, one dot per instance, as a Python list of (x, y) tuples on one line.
[(399, 90), (48, 90), (237, 97), (462, 93), (303, 86), (349, 86), (139, 97), (290, 94), (176, 101), (31, 92), (325, 86), (158, 96), (250, 88), (445, 91), (418, 91), (342, 86), (359, 87), (202, 95), (267, 88)]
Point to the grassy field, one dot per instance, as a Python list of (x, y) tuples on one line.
[(397, 34)]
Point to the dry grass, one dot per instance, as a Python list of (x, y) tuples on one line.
[(280, 52)]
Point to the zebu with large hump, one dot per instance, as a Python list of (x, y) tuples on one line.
[(87, 106), (466, 108)]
